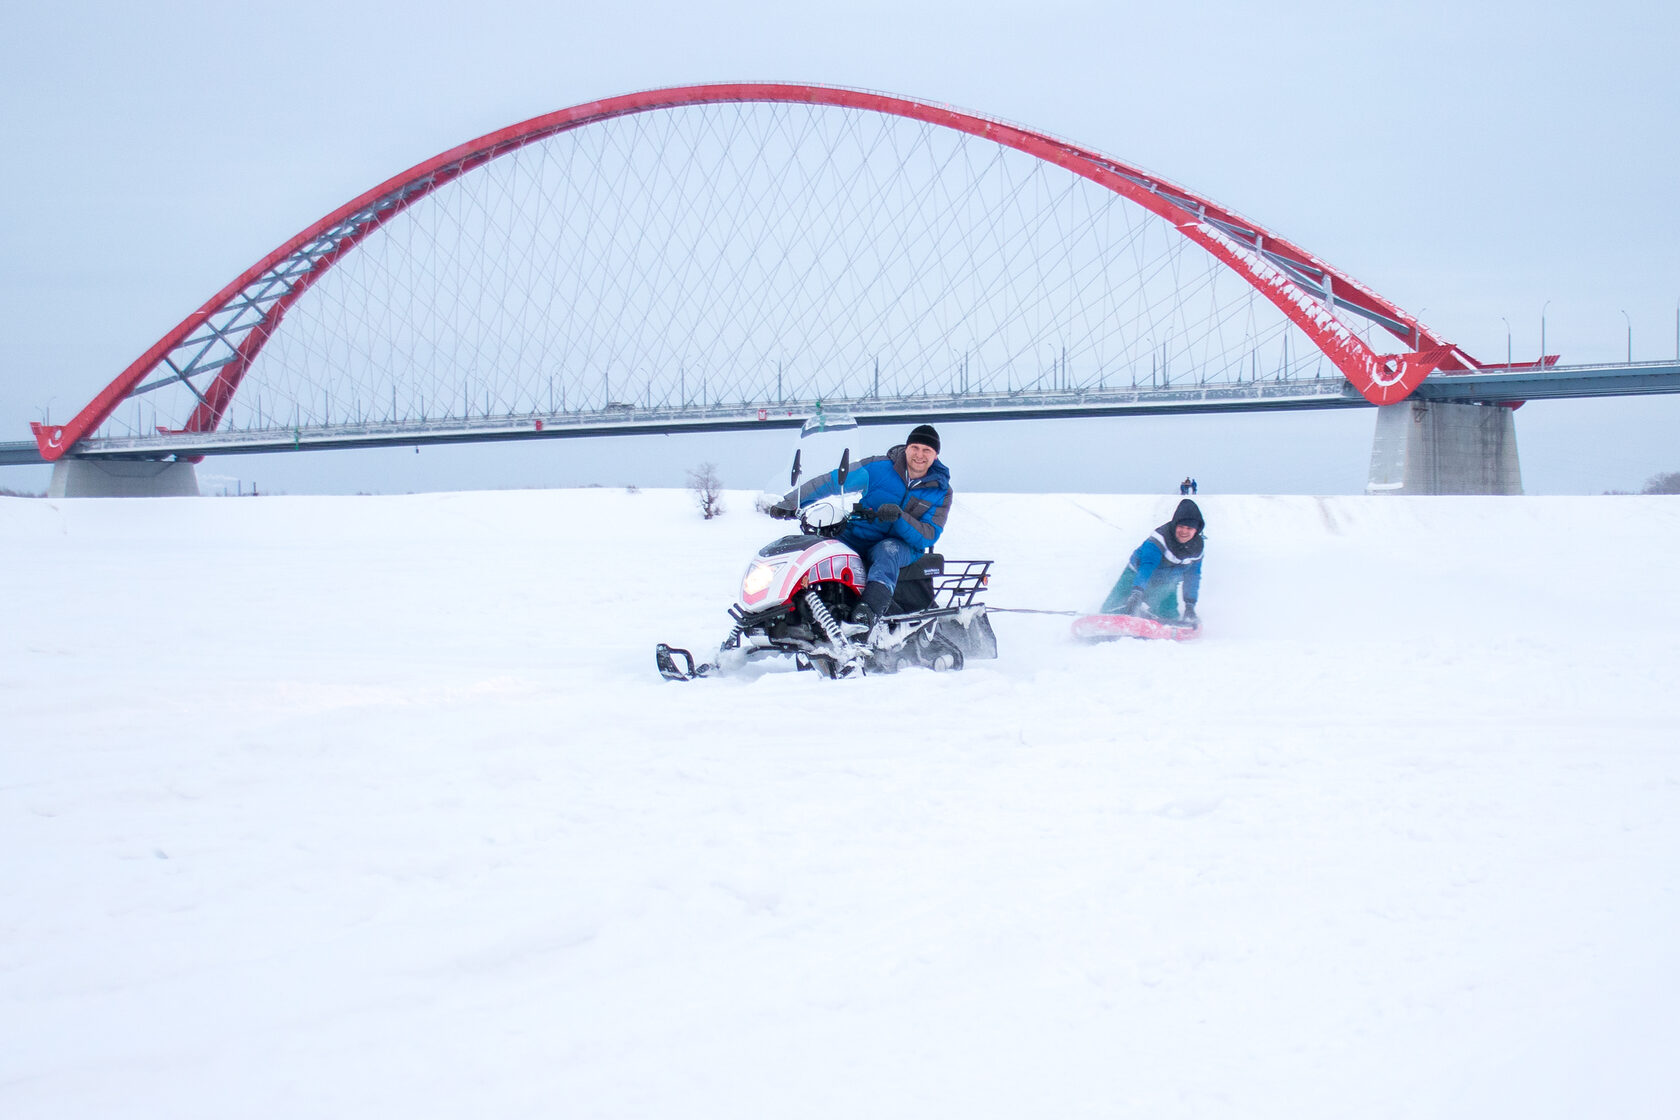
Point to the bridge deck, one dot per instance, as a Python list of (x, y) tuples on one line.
[(1485, 386)]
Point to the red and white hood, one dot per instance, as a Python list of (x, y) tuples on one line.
[(770, 581)]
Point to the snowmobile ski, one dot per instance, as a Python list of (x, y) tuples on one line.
[(678, 664)]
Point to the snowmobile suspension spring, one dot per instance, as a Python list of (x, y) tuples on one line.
[(824, 620)]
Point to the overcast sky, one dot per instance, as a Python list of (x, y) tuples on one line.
[(1475, 163)]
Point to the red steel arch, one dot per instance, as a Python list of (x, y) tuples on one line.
[(1298, 283)]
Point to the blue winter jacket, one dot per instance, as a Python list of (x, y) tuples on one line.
[(1146, 561), (1183, 562), (882, 480)]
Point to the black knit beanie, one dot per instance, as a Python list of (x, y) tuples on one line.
[(924, 434)]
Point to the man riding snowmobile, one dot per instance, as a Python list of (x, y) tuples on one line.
[(865, 562), (906, 499)]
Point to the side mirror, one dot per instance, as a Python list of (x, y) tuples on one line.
[(845, 467), (793, 479)]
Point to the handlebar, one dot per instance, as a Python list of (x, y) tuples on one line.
[(821, 510)]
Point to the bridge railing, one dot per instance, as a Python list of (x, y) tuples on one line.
[(629, 420)]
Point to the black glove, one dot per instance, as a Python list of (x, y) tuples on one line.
[(888, 513), (1133, 603), (785, 510), (1190, 618)]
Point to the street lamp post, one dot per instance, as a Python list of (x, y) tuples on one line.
[(1507, 323), (1543, 307), (1630, 337)]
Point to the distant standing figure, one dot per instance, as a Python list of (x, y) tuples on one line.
[(1184, 487), (1192, 486), (1170, 558)]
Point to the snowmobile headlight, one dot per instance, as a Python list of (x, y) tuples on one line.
[(759, 577)]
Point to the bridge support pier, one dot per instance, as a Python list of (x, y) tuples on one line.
[(87, 478), (1440, 447)]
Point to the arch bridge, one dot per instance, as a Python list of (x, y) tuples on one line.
[(721, 256)]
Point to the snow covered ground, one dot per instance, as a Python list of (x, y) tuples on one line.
[(375, 806)]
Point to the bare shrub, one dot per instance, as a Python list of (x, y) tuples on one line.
[(708, 489), (1668, 483)]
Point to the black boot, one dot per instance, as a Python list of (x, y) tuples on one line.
[(876, 597)]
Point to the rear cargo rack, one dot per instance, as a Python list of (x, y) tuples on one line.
[(959, 582)]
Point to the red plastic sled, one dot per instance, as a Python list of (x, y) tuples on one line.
[(1105, 627)]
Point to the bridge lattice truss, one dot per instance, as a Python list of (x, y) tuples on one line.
[(752, 246)]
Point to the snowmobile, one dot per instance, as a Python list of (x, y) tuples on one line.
[(798, 591)]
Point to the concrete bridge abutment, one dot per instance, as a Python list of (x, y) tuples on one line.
[(115, 478), (1441, 447)]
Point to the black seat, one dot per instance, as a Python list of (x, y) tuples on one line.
[(915, 584)]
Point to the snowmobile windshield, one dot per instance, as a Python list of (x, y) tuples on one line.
[(820, 445)]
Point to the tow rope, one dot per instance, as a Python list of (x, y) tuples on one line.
[(1030, 610)]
